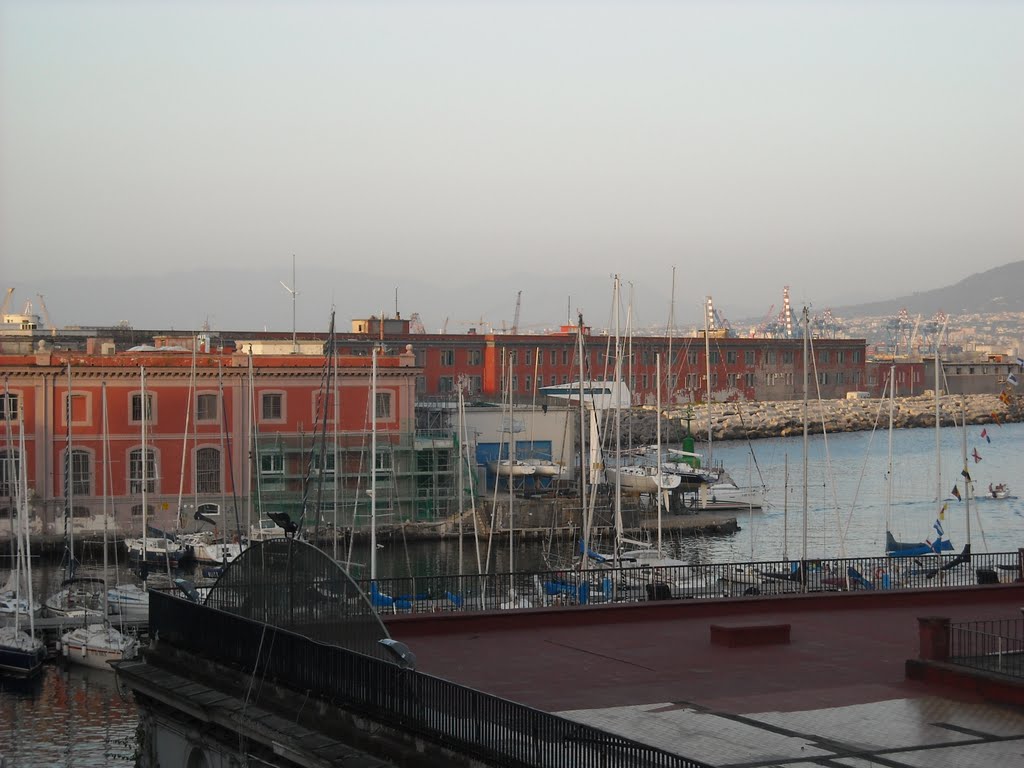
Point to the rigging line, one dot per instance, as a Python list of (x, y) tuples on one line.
[(829, 474), (230, 461), (844, 530), (319, 437), (363, 451)]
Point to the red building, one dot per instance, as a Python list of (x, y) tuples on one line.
[(741, 368), (225, 434)]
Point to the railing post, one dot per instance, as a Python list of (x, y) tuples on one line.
[(933, 633)]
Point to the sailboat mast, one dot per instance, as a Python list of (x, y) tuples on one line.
[(668, 332), (23, 513), (657, 370), (618, 426), (373, 464), (583, 450), (803, 544), (888, 484), (938, 417), (145, 468), (69, 523), (707, 373), (965, 473), (106, 462)]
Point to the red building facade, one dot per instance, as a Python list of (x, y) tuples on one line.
[(741, 368), (196, 435)]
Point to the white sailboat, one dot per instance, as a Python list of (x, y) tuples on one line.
[(21, 652), (96, 644)]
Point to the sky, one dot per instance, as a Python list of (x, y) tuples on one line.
[(461, 152)]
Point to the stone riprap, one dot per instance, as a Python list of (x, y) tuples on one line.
[(753, 420)]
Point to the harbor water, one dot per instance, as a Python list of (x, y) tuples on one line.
[(78, 717)]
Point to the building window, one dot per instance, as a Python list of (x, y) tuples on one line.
[(565, 357), (445, 384), (856, 355), (730, 356), (714, 380), (691, 357), (529, 383), (384, 405), (643, 378), (137, 510), (475, 357), (554, 357), (137, 471), (823, 378), (137, 407), (515, 383), (10, 465), (840, 378), (529, 357), (823, 356), (383, 461), (513, 357), (748, 356), (271, 464), (691, 381), (448, 357), (787, 357), (79, 473), (769, 356), (841, 356), (272, 406), (731, 380), (750, 379), (206, 406), (8, 407), (716, 358), (208, 510), (421, 385), (208, 470), (326, 459), (565, 379)]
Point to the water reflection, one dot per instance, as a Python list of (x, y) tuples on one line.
[(69, 716)]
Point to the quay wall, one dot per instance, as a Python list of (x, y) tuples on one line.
[(742, 420)]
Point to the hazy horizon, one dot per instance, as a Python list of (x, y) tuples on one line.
[(461, 152)]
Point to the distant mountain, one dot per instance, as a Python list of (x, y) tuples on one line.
[(997, 290)]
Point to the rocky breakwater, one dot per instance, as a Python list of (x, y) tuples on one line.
[(742, 420)]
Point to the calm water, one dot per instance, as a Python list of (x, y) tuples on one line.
[(76, 717)]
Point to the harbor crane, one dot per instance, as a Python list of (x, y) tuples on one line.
[(46, 315), (515, 317)]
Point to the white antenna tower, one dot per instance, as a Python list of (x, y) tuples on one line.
[(294, 293)]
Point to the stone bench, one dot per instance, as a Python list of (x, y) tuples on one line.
[(739, 634)]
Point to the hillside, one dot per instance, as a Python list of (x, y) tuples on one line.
[(997, 290)]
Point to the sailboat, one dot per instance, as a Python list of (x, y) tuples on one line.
[(79, 597), (21, 652), (893, 547), (96, 643)]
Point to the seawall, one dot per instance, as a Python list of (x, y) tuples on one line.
[(752, 419)]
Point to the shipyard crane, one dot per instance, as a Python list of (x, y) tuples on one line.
[(7, 302), (416, 324), (515, 317), (46, 315)]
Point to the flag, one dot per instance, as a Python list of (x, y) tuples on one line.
[(1012, 379), (1004, 396), (956, 492), (995, 417), (1020, 362), (976, 455), (938, 529), (942, 512), (966, 474), (984, 434)]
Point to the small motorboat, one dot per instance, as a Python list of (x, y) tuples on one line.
[(999, 491)]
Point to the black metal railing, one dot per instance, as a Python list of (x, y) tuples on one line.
[(993, 645), (607, 582), (493, 730)]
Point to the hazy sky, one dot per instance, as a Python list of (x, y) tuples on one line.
[(852, 150)]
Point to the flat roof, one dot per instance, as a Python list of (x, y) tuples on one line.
[(836, 695)]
